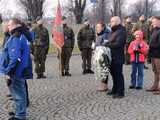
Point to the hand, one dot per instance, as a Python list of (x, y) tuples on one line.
[(7, 77)]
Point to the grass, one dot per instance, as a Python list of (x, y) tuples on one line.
[(52, 49)]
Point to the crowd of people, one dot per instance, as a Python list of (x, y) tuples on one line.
[(128, 44)]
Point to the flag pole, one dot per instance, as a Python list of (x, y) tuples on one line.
[(58, 35)]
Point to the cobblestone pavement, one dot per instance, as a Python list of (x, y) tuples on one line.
[(76, 98)]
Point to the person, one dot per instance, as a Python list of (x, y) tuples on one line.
[(138, 49), (14, 63), (67, 48), (102, 33), (6, 37), (143, 25), (40, 48), (116, 43), (154, 48), (128, 26), (85, 38)]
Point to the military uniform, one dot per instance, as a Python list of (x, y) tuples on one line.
[(67, 49), (40, 49), (144, 26), (85, 38), (128, 27)]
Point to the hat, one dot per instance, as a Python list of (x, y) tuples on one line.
[(139, 32)]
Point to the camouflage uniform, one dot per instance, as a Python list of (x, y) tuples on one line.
[(128, 27), (67, 49), (40, 49), (144, 26), (85, 38)]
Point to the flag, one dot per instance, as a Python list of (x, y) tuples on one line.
[(93, 1), (57, 32)]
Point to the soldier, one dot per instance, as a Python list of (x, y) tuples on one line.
[(40, 48), (128, 26), (143, 25), (67, 49), (85, 38)]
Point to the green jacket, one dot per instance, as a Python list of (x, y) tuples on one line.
[(85, 37)]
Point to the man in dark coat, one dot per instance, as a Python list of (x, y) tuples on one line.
[(67, 49), (154, 53), (117, 40), (85, 38)]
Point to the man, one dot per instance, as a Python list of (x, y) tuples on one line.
[(117, 40), (154, 53), (67, 48), (14, 67), (85, 38), (40, 48), (128, 26)]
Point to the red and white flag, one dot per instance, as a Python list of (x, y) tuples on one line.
[(57, 31)]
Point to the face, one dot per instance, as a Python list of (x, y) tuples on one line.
[(64, 22), (142, 18), (5, 27), (11, 25), (155, 23), (138, 37), (113, 22), (99, 28)]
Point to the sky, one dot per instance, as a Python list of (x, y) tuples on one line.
[(12, 6)]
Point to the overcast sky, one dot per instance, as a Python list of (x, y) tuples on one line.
[(12, 5)]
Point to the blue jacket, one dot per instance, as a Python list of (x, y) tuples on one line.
[(15, 57)]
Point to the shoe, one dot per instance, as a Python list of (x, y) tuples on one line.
[(67, 74), (152, 90), (116, 96), (43, 77), (157, 93), (9, 95), (139, 88), (11, 114), (110, 93), (62, 73), (145, 67), (14, 118), (84, 72), (131, 87), (11, 99), (90, 71), (38, 76)]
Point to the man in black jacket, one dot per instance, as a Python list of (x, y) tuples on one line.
[(154, 52), (117, 40)]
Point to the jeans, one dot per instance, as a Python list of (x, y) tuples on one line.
[(137, 80), (18, 92)]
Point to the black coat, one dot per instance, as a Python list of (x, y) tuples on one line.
[(117, 40), (154, 47)]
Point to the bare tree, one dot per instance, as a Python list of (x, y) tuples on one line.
[(33, 8), (77, 7), (117, 7), (144, 7)]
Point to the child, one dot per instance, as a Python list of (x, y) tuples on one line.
[(138, 49)]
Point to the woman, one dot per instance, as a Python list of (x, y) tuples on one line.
[(101, 58)]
